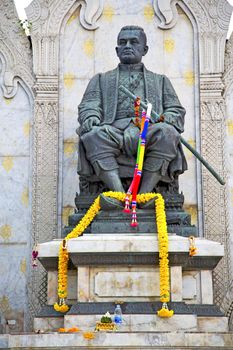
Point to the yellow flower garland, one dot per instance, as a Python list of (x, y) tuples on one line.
[(162, 239)]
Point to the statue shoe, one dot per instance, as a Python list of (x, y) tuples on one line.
[(108, 203)]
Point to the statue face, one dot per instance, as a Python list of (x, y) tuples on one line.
[(131, 46)]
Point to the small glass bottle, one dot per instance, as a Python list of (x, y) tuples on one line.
[(118, 315)]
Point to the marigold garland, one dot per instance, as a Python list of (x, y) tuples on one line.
[(192, 246), (162, 239), (69, 330), (88, 335)]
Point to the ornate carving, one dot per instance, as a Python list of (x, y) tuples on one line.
[(211, 15), (49, 16), (228, 93), (37, 12), (214, 196), (211, 85), (90, 12), (228, 74), (45, 170), (212, 44), (212, 111), (166, 12), (15, 52), (222, 14), (45, 181)]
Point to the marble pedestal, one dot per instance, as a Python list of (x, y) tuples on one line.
[(113, 268), (125, 268)]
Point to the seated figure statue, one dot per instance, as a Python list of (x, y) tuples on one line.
[(108, 132)]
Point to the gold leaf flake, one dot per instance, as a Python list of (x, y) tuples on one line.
[(25, 197), (5, 232), (66, 212), (23, 265), (108, 13), (8, 163), (88, 47), (230, 127), (26, 128), (73, 17), (148, 13), (8, 100), (188, 153), (189, 78), (169, 45), (69, 80), (69, 148)]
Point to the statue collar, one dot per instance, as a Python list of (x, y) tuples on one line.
[(138, 67)]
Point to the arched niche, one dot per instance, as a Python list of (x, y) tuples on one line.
[(173, 52)]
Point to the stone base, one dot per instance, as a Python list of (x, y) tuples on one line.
[(154, 323), (120, 341), (126, 268), (116, 221), (48, 324), (137, 317), (138, 323)]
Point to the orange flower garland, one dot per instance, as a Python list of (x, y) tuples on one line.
[(192, 246), (162, 239), (88, 335)]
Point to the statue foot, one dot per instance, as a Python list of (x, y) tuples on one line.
[(108, 203)]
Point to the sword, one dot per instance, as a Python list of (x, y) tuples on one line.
[(182, 140)]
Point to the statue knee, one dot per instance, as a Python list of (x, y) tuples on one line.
[(170, 132), (88, 136)]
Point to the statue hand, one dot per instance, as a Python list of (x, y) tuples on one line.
[(89, 123)]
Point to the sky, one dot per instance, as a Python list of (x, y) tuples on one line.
[(21, 4)]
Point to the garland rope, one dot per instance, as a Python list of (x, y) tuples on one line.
[(164, 274)]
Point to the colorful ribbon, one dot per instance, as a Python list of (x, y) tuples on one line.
[(133, 188)]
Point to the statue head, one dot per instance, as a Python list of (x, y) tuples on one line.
[(131, 44)]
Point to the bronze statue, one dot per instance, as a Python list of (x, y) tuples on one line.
[(108, 134)]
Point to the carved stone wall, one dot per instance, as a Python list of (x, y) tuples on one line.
[(209, 20), (16, 101), (40, 100)]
